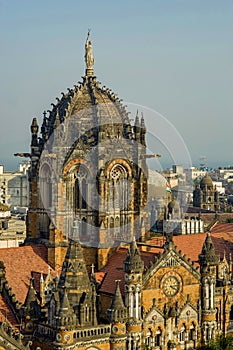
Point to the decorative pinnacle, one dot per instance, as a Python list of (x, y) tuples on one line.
[(89, 59)]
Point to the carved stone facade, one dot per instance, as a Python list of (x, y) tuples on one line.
[(88, 165), (88, 188)]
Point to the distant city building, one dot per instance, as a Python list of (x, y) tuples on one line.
[(14, 187), (194, 173), (12, 232), (205, 195), (219, 187)]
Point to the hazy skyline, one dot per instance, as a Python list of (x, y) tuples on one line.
[(174, 57)]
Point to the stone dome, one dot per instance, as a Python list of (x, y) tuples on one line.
[(88, 102), (206, 181)]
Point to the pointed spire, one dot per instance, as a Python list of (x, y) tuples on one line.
[(143, 126), (74, 274), (31, 306), (66, 315), (41, 278), (133, 261), (117, 311), (31, 295), (89, 59), (208, 255), (136, 123)]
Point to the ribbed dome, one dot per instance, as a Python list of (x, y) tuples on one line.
[(206, 181), (87, 102)]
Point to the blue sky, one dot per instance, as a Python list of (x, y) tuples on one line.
[(172, 56)]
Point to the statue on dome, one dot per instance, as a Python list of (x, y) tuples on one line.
[(88, 54)]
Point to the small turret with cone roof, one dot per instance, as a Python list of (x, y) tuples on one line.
[(117, 315), (133, 267), (208, 257), (117, 311), (133, 262), (66, 316), (31, 309)]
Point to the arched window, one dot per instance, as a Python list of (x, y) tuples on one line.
[(182, 333), (81, 188), (119, 188), (46, 186), (193, 332), (158, 337), (149, 338)]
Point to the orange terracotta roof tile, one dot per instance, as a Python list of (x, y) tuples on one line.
[(20, 264), (222, 228), (114, 270), (6, 314), (191, 245)]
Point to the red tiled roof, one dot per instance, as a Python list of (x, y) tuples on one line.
[(6, 314), (223, 228), (222, 235), (20, 264), (114, 270), (191, 245)]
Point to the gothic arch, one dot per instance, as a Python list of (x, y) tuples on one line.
[(45, 191)]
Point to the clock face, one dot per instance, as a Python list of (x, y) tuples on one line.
[(170, 285)]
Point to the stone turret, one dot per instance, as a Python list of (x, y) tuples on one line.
[(74, 279), (66, 317), (117, 315), (133, 267), (117, 311), (208, 256), (133, 262), (31, 309), (208, 261)]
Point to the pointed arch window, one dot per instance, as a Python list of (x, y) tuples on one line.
[(182, 333), (119, 188), (158, 337), (149, 338), (81, 188), (193, 332)]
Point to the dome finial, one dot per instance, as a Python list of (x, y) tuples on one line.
[(89, 59)]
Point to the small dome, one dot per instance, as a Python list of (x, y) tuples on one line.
[(206, 181)]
